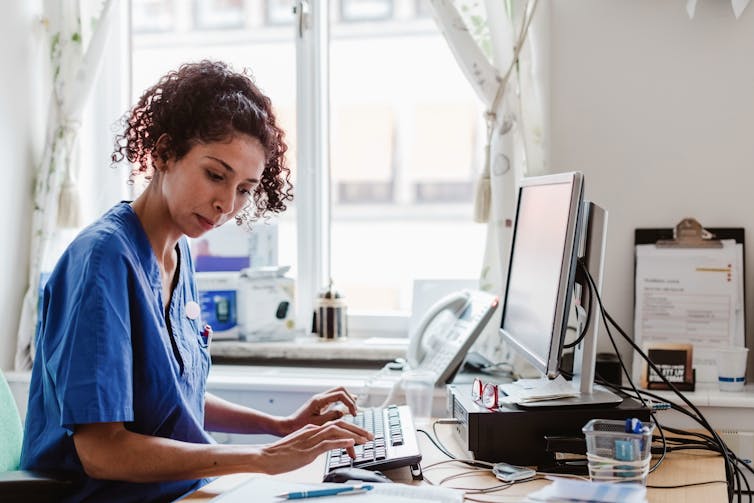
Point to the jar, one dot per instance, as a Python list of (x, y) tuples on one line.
[(330, 321)]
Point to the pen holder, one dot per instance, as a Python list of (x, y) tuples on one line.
[(615, 454)]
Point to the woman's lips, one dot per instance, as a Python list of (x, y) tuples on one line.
[(207, 224)]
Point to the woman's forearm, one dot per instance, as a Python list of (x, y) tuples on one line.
[(109, 451), (223, 416)]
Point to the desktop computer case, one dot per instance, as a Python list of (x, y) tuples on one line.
[(538, 436)]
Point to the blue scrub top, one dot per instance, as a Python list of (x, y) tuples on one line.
[(105, 354)]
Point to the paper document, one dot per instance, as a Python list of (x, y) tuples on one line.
[(265, 489), (536, 390), (690, 295), (593, 492)]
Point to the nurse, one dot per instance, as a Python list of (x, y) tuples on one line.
[(118, 385)]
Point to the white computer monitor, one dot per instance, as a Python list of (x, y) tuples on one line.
[(542, 268), (553, 228)]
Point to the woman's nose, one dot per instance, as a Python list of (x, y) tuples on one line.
[(224, 202)]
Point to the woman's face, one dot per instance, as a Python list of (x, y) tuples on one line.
[(211, 183)]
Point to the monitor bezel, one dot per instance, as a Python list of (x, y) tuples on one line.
[(549, 365)]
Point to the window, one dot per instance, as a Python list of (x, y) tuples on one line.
[(401, 140)]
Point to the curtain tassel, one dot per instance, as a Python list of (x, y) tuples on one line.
[(483, 198)]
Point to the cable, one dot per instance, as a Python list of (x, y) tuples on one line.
[(387, 369), (439, 447), (587, 321), (731, 470), (664, 445), (692, 484), (436, 441)]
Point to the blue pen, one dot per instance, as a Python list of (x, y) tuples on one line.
[(331, 491)]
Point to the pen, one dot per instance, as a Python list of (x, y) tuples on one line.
[(331, 491)]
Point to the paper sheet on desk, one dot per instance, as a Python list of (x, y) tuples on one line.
[(264, 489), (593, 492), (690, 295), (535, 390)]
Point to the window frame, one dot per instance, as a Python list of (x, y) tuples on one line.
[(313, 189)]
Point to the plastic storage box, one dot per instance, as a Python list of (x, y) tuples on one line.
[(618, 451)]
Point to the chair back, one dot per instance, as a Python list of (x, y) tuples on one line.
[(11, 431)]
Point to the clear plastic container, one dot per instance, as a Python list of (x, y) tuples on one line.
[(615, 453)]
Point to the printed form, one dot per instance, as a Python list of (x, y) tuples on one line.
[(690, 295)]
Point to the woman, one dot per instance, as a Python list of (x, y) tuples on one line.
[(118, 385)]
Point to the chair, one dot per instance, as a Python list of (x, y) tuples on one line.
[(22, 485)]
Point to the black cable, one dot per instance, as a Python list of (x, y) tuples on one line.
[(731, 471), (680, 486), (586, 322), (704, 442), (664, 445), (593, 290)]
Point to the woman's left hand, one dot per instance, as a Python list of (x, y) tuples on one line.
[(317, 410)]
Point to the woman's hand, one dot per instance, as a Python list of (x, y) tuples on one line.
[(303, 446), (317, 410)]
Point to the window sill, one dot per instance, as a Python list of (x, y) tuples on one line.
[(373, 351)]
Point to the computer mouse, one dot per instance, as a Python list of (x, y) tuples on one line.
[(349, 473)]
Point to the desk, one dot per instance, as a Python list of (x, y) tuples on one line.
[(677, 469)]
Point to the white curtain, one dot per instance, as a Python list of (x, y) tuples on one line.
[(75, 56), (492, 42)]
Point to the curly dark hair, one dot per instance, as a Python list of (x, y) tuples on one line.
[(207, 102)]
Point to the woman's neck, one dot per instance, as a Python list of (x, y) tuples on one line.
[(153, 214)]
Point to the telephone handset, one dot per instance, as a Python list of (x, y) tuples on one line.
[(447, 331)]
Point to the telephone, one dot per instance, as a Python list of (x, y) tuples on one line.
[(447, 331)]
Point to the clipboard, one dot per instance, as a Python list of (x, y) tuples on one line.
[(689, 290)]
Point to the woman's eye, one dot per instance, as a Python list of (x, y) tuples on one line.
[(214, 176), (244, 191)]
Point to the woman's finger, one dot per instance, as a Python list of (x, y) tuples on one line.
[(327, 398), (331, 415), (361, 432)]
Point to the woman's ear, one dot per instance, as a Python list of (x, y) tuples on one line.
[(161, 152)]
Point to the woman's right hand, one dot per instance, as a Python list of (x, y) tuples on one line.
[(304, 445)]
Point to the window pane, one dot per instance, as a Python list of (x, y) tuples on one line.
[(365, 10), (406, 147), (152, 16), (214, 14), (268, 51)]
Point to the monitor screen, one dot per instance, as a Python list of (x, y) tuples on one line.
[(542, 267)]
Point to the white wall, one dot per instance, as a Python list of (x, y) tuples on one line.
[(19, 109), (657, 110)]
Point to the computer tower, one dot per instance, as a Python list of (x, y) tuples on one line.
[(540, 436)]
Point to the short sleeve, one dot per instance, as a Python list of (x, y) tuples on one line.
[(88, 336)]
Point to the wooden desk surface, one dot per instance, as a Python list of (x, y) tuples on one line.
[(678, 468)]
